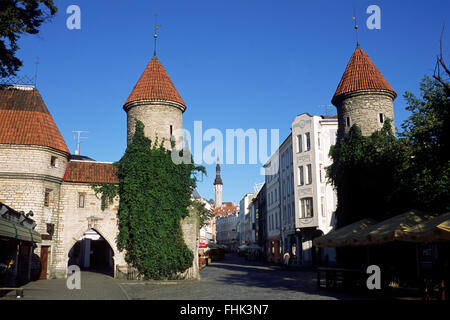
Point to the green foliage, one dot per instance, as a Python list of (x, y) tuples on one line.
[(427, 137), (368, 173), (108, 192), (380, 176), (203, 215), (18, 17), (154, 197)]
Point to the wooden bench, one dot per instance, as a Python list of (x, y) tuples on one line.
[(335, 274)]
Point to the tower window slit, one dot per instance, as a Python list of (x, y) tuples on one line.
[(381, 118), (348, 121)]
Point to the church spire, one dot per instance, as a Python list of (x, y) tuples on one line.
[(218, 178), (218, 185)]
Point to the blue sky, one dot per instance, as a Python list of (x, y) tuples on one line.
[(236, 63)]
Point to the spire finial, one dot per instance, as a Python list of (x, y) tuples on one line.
[(356, 27), (155, 35)]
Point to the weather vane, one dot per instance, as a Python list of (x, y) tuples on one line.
[(356, 27), (155, 35)]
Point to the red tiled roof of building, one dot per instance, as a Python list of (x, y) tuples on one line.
[(90, 172), (226, 208), (155, 84), (361, 74), (25, 119)]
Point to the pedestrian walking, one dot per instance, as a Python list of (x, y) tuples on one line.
[(286, 258)]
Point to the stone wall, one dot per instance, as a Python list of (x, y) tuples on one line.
[(26, 174), (32, 161), (157, 118), (190, 228), (364, 108), (75, 221)]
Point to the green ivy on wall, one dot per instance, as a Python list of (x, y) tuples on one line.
[(155, 194)]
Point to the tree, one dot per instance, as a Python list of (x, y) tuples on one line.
[(368, 173), (154, 196), (204, 215), (427, 137), (16, 18)]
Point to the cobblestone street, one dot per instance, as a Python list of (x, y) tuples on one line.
[(230, 279)]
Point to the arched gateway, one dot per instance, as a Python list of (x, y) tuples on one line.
[(38, 173)]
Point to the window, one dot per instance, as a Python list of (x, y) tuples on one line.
[(47, 198), (321, 173), (299, 143), (318, 140), (348, 121), (301, 178), (306, 207), (381, 118), (309, 168), (308, 141), (322, 206), (81, 200), (171, 130), (53, 161)]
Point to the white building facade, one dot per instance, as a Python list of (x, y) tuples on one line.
[(274, 241), (226, 229), (243, 214), (315, 199)]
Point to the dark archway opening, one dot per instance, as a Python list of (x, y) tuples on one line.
[(92, 253)]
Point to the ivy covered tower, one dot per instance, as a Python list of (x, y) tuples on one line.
[(156, 102), (363, 96)]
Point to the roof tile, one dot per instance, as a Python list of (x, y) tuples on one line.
[(91, 172), (25, 119), (361, 74), (155, 84)]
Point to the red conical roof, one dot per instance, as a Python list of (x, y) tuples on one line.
[(155, 84), (25, 119), (361, 74)]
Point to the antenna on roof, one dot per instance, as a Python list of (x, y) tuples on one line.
[(258, 186), (36, 72), (327, 108), (155, 35), (78, 138), (356, 27)]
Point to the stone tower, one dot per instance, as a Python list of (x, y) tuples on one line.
[(33, 160), (218, 187), (363, 96), (156, 102)]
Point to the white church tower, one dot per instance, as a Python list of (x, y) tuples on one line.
[(218, 187)]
